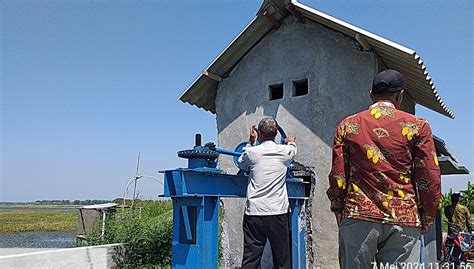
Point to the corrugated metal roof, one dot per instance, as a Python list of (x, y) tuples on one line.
[(447, 161), (442, 149), (419, 84), (449, 167), (100, 206), (202, 91)]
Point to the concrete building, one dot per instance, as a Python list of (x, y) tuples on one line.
[(309, 71)]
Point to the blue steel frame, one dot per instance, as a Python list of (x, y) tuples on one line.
[(196, 200), (298, 233), (195, 232)]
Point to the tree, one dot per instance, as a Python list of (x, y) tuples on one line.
[(468, 196), (446, 198)]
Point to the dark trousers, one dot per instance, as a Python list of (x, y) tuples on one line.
[(257, 229)]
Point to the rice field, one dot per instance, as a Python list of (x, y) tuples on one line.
[(26, 218)]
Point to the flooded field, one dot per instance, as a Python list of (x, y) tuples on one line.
[(37, 226), (39, 208), (37, 240)]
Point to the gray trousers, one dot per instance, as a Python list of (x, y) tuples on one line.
[(364, 244)]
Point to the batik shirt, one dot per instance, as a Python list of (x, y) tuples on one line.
[(379, 156), (462, 217)]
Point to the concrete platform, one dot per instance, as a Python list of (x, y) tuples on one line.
[(102, 256), (12, 251)]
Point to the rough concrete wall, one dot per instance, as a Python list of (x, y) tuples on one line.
[(339, 76)]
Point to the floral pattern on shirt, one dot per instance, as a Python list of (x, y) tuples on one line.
[(382, 111), (381, 132), (409, 129), (374, 153), (350, 128), (373, 173), (405, 176)]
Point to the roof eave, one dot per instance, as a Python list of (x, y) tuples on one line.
[(449, 167), (380, 45), (225, 62), (419, 84)]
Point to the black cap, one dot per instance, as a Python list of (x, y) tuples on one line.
[(388, 81), (455, 195)]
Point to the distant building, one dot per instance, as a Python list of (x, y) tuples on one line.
[(308, 70)]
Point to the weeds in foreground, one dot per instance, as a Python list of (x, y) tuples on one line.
[(145, 231)]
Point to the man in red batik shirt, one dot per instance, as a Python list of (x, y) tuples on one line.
[(385, 179)]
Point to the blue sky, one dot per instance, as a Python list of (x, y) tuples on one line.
[(86, 85)]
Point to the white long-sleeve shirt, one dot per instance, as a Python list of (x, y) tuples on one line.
[(267, 164)]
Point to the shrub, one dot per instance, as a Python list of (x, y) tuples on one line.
[(467, 197), (146, 230)]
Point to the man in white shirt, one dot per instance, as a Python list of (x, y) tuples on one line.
[(266, 211)]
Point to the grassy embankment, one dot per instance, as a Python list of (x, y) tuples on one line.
[(25, 218), (146, 231)]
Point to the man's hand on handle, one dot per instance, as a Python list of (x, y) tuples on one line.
[(338, 219), (290, 138), (253, 135), (425, 228)]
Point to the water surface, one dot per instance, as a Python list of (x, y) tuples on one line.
[(37, 240)]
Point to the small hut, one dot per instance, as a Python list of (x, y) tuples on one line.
[(309, 71), (92, 216)]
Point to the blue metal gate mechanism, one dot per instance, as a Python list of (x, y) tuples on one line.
[(196, 191)]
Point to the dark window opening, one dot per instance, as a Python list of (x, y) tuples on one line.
[(276, 91), (307, 187), (300, 87)]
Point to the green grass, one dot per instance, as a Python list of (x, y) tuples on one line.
[(146, 231), (444, 225), (153, 208), (26, 218)]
